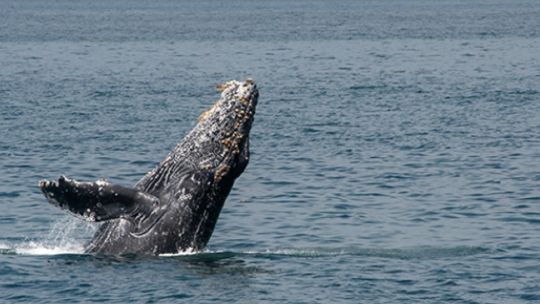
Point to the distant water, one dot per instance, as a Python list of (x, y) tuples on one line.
[(396, 147)]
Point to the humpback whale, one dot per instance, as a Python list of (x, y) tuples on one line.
[(174, 207)]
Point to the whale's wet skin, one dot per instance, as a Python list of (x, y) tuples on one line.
[(174, 207)]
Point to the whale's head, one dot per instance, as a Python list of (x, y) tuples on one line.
[(223, 130)]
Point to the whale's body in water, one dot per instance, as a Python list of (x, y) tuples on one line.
[(174, 207)]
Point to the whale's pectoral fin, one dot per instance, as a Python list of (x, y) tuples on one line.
[(98, 201)]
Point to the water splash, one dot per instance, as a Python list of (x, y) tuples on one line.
[(66, 236), (38, 248)]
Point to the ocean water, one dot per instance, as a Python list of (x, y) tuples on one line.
[(395, 149)]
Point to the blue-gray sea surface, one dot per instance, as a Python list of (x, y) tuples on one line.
[(395, 149)]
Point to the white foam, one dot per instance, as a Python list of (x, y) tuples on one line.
[(183, 253), (33, 248)]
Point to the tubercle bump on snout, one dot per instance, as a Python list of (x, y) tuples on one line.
[(228, 123), (233, 140), (233, 90)]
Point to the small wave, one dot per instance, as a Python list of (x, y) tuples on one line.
[(405, 253), (43, 249), (218, 254), (421, 252), (4, 246), (315, 252)]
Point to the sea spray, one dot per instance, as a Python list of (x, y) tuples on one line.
[(66, 236)]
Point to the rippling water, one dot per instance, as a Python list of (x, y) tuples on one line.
[(395, 147)]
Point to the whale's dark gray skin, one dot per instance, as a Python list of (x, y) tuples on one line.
[(174, 207)]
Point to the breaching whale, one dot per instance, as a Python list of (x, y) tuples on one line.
[(174, 207)]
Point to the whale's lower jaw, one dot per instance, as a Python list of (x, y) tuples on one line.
[(175, 207)]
